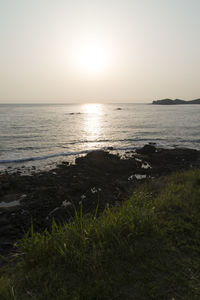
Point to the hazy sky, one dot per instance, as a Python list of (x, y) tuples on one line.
[(99, 50)]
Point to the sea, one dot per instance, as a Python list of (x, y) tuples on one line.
[(39, 136)]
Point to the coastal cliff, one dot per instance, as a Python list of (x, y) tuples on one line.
[(175, 102)]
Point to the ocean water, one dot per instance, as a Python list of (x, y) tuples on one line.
[(42, 135)]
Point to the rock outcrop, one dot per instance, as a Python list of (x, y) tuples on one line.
[(175, 102)]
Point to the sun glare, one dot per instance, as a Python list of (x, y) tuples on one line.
[(92, 58), (92, 108)]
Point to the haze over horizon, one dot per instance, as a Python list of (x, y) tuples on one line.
[(99, 51)]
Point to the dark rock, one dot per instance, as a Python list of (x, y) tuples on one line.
[(147, 149), (97, 158), (3, 220), (66, 163), (152, 143)]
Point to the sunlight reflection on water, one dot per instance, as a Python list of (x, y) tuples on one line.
[(92, 122)]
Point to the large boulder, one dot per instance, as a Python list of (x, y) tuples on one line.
[(98, 158), (147, 149)]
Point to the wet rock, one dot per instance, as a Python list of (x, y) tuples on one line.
[(145, 165), (3, 220), (97, 158), (147, 149), (140, 176), (122, 185), (66, 203), (5, 230)]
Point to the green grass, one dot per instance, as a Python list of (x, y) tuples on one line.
[(146, 248)]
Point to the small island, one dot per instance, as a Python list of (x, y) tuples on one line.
[(175, 102)]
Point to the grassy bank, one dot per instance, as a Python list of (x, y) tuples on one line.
[(146, 248)]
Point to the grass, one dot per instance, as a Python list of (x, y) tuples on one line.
[(146, 248)]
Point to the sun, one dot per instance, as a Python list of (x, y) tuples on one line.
[(92, 58)]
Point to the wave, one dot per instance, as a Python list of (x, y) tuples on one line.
[(159, 142), (191, 141), (73, 153), (22, 149), (25, 137), (111, 141), (34, 158)]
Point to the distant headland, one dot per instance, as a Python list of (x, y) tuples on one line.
[(175, 102)]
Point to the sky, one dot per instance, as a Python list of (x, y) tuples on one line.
[(99, 50)]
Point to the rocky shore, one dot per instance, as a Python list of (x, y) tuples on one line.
[(98, 179)]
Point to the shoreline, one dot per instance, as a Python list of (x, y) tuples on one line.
[(98, 179), (37, 164)]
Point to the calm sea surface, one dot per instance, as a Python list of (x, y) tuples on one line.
[(42, 135)]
